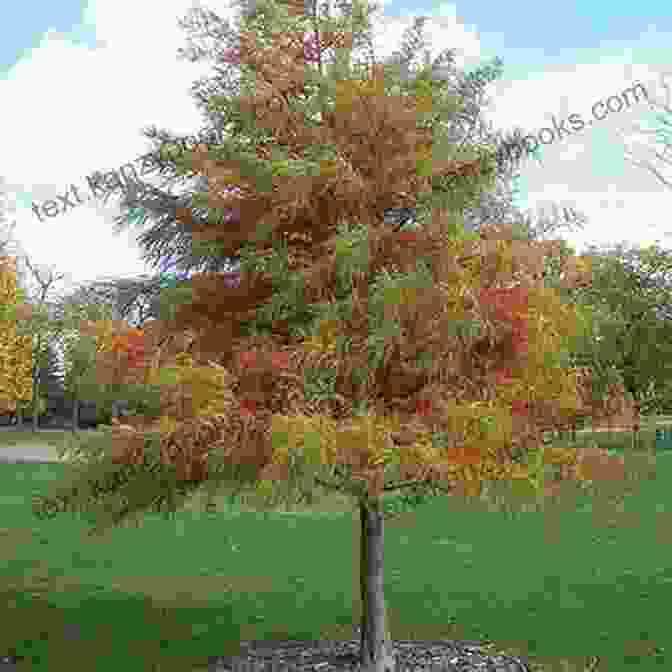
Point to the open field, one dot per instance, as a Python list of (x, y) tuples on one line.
[(170, 593)]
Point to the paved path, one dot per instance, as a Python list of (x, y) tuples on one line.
[(33, 450), (29, 452)]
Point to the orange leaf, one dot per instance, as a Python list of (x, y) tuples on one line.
[(465, 455)]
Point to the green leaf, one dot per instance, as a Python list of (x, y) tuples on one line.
[(279, 439), (312, 447), (169, 375), (487, 423), (343, 247), (522, 490)]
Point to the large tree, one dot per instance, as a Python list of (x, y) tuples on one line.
[(343, 353)]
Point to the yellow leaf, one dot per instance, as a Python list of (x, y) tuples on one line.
[(167, 425)]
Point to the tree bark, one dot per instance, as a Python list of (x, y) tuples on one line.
[(376, 650), (75, 414), (36, 412)]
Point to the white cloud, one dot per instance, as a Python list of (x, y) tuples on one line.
[(586, 170), (442, 31)]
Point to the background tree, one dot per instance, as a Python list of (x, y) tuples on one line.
[(40, 327), (282, 420), (75, 312), (132, 300), (52, 321), (656, 139), (9, 245), (136, 301), (16, 356), (52, 388), (632, 295)]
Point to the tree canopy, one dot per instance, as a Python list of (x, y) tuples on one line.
[(344, 354)]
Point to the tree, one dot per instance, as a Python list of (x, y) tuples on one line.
[(76, 314), (306, 367), (134, 300), (51, 382), (15, 349), (658, 139), (9, 245), (128, 299), (41, 328), (52, 321), (52, 378), (632, 295)]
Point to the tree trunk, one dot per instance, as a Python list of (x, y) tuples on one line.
[(36, 413), (75, 414), (636, 419), (376, 650), (119, 408), (19, 417), (36, 395)]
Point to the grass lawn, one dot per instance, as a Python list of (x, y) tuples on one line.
[(170, 593)]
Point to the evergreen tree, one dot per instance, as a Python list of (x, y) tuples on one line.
[(52, 389)]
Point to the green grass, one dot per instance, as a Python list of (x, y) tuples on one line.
[(170, 593)]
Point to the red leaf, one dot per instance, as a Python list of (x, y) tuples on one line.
[(280, 360), (407, 236), (507, 302), (504, 377), (423, 406), (248, 408), (248, 358), (519, 407)]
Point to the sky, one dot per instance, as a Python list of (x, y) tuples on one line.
[(79, 81)]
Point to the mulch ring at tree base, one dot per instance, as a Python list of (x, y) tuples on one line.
[(342, 656)]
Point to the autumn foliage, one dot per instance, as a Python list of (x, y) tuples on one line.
[(369, 357), (16, 362)]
